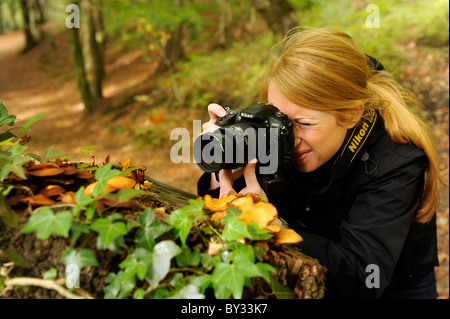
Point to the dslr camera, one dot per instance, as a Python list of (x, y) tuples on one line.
[(259, 131)]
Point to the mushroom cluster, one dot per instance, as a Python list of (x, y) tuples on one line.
[(49, 183), (254, 210), (56, 182)]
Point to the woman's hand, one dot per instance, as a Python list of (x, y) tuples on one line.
[(227, 178), (215, 111)]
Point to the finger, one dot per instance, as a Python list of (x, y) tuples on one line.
[(225, 181), (209, 127), (237, 173), (250, 175), (215, 111)]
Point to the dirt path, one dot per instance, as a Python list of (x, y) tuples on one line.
[(41, 81)]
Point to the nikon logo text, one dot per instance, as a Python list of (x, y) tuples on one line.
[(357, 139)]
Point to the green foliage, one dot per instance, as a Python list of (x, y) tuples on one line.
[(148, 24), (12, 158), (46, 223), (401, 21)]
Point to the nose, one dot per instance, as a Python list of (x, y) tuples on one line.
[(298, 140)]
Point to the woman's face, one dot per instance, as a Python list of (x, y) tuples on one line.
[(318, 136)]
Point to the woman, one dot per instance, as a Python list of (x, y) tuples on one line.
[(371, 221)]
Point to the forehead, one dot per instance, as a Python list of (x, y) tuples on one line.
[(294, 111)]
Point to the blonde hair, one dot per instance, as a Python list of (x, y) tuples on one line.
[(323, 69)]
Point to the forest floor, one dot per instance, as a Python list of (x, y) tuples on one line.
[(42, 81)]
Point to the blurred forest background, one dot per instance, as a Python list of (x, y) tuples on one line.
[(134, 70)]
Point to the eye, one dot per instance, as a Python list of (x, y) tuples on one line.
[(304, 124)]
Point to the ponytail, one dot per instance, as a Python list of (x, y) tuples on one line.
[(404, 121)]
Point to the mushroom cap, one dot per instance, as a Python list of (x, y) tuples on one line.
[(218, 204), (260, 212), (89, 190), (121, 182), (287, 236), (46, 171), (38, 200), (52, 190)]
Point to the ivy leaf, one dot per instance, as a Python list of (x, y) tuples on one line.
[(182, 219), (46, 223), (280, 291), (124, 195), (77, 229), (152, 229), (5, 118), (257, 233), (116, 287), (106, 172), (234, 276), (108, 230), (159, 265), (188, 292), (234, 228), (202, 282), (8, 216), (52, 154), (50, 274), (188, 258), (82, 258), (14, 163), (134, 267)]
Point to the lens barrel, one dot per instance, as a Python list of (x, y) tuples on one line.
[(225, 148)]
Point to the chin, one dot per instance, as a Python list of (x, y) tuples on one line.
[(305, 168)]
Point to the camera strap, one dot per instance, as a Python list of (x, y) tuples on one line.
[(354, 143)]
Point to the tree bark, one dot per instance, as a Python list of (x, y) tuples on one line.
[(1, 18), (94, 48), (79, 68), (30, 41), (225, 29)]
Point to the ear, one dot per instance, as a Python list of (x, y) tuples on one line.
[(355, 115)]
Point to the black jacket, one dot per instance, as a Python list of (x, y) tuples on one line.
[(364, 218)]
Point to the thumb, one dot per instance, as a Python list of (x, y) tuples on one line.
[(250, 175), (225, 181)]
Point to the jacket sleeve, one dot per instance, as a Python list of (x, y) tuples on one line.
[(372, 236)]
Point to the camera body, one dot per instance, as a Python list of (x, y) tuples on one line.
[(259, 131)]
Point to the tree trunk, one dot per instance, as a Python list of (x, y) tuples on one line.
[(171, 49), (79, 68), (94, 48), (279, 15), (1, 18), (30, 41), (225, 29), (13, 9)]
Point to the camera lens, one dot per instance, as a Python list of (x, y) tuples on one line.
[(225, 148)]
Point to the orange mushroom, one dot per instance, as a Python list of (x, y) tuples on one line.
[(89, 190), (287, 236), (46, 171), (216, 205), (121, 182), (260, 212), (38, 200), (52, 190)]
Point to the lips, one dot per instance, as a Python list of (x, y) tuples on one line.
[(301, 155)]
